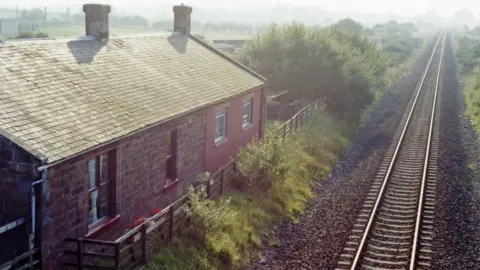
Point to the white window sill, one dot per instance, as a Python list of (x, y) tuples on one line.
[(221, 141), (247, 127)]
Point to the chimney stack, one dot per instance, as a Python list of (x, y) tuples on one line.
[(181, 19), (96, 20)]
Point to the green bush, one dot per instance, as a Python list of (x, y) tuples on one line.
[(31, 35), (181, 254), (339, 66), (468, 56)]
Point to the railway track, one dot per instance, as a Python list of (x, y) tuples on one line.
[(394, 229)]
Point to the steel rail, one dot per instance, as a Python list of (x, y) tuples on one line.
[(425, 166), (390, 167)]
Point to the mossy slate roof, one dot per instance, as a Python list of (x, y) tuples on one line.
[(60, 98)]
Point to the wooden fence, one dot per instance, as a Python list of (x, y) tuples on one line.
[(131, 250), (27, 261)]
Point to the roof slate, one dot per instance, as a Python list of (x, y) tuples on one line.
[(60, 98)]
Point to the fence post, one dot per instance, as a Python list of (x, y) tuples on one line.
[(208, 188), (144, 243), (222, 175), (117, 256), (309, 111), (305, 116), (80, 254), (296, 122), (170, 226), (284, 131), (291, 124), (301, 118)]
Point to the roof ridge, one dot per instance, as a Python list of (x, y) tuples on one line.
[(233, 61)]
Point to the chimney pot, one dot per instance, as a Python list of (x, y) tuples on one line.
[(96, 20), (181, 19)]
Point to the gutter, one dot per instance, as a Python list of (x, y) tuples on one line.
[(264, 124), (33, 201)]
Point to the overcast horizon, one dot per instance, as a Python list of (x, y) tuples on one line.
[(407, 8)]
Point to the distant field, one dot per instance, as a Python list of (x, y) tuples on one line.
[(216, 35), (75, 31)]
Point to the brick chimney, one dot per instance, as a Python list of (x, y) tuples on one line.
[(96, 20), (181, 19)]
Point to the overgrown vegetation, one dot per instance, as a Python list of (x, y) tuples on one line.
[(340, 63), (468, 57), (340, 66), (275, 180), (468, 53), (397, 40)]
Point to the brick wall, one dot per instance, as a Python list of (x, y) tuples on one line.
[(218, 154), (14, 204), (140, 178), (14, 197), (16, 176)]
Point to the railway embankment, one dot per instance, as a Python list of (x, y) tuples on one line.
[(316, 242)]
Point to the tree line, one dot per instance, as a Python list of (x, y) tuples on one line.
[(397, 40), (115, 20)]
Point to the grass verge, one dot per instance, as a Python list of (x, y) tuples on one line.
[(471, 90)]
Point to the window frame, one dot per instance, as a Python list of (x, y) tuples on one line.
[(247, 102), (224, 115), (111, 216)]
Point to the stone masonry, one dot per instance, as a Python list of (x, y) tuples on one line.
[(140, 179)]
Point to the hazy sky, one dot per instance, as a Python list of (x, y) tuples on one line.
[(400, 7)]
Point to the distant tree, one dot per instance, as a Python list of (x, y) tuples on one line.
[(475, 31), (139, 21), (163, 24), (78, 18), (32, 15), (128, 21), (66, 16), (349, 25), (398, 41)]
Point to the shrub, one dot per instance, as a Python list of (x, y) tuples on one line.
[(32, 35), (26, 35), (340, 66), (182, 254)]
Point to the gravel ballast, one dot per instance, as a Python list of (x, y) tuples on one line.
[(457, 224), (318, 239)]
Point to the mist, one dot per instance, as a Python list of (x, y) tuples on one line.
[(307, 11)]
